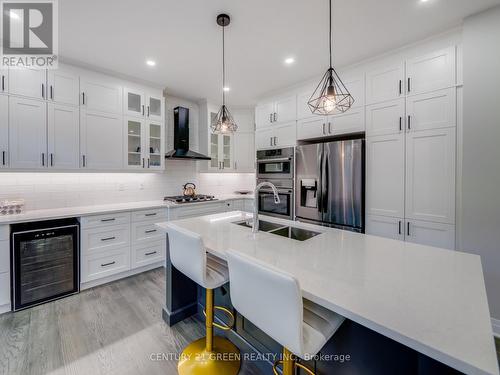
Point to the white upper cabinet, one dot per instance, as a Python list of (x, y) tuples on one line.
[(276, 112), (264, 114), (312, 127), (355, 83), (134, 103), (351, 121), (155, 145), (264, 139), (27, 133), (430, 175), (431, 72), (384, 226), (63, 136), (4, 80), (154, 107), (385, 118), (285, 109), (31, 83), (63, 86), (385, 175), (100, 95), (385, 83), (221, 152), (4, 131), (101, 140), (431, 234), (433, 110), (303, 109), (135, 143)]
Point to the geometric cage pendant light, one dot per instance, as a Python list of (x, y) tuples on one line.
[(223, 123), (330, 96)]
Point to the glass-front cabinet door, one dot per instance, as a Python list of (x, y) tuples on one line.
[(221, 152), (154, 110), (134, 103), (214, 151), (135, 141), (155, 146), (226, 141)]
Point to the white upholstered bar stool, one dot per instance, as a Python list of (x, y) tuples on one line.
[(209, 355), (302, 327)]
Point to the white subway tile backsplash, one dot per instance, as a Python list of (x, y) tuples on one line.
[(55, 190)]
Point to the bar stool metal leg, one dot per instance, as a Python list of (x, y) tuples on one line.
[(289, 364), (211, 355)]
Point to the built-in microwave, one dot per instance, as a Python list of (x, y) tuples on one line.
[(275, 164)]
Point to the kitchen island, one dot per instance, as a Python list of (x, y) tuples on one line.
[(430, 300)]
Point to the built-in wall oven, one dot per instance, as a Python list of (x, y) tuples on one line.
[(275, 164), (45, 261), (266, 203)]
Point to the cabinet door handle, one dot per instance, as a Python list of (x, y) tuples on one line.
[(150, 231), (143, 162), (270, 141), (275, 141), (107, 220), (107, 264), (329, 128), (43, 91), (270, 117), (108, 238), (150, 253), (151, 214), (43, 159), (3, 83), (399, 227), (400, 87), (409, 84), (275, 117), (148, 162), (408, 228), (3, 157), (148, 110), (84, 161), (235, 165), (51, 159), (83, 98), (143, 109), (400, 123), (409, 122), (51, 92), (324, 131)]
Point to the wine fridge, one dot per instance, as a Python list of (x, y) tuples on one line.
[(45, 261)]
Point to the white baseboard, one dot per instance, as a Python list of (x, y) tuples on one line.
[(496, 327), (5, 308)]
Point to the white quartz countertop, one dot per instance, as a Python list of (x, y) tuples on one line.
[(429, 299), (58, 213)]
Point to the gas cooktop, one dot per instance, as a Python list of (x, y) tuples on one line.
[(180, 199)]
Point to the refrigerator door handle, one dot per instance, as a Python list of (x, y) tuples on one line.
[(320, 194), (325, 176)]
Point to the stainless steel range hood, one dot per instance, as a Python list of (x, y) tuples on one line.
[(181, 138)]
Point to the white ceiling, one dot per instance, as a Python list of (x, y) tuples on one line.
[(185, 41)]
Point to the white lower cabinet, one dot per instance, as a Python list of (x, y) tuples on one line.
[(105, 237), (4, 269), (385, 226), (4, 131), (148, 253), (105, 263), (196, 210), (432, 234), (146, 231), (4, 290), (101, 144)]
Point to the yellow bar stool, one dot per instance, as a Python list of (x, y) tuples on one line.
[(301, 326), (212, 355)]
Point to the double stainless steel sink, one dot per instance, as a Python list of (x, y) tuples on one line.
[(293, 233)]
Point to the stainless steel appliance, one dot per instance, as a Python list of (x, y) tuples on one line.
[(267, 204), (275, 164), (180, 199), (330, 184), (45, 261)]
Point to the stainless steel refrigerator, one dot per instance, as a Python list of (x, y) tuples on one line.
[(329, 182)]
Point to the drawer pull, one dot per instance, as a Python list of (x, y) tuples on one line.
[(108, 238), (108, 264), (150, 253), (106, 220), (153, 214), (150, 231)]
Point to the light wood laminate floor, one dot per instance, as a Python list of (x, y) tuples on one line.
[(111, 329)]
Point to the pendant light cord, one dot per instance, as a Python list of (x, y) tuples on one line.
[(330, 13), (223, 67)]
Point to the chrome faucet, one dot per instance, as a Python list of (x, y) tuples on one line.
[(255, 224)]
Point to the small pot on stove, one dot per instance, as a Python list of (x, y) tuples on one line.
[(189, 189)]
